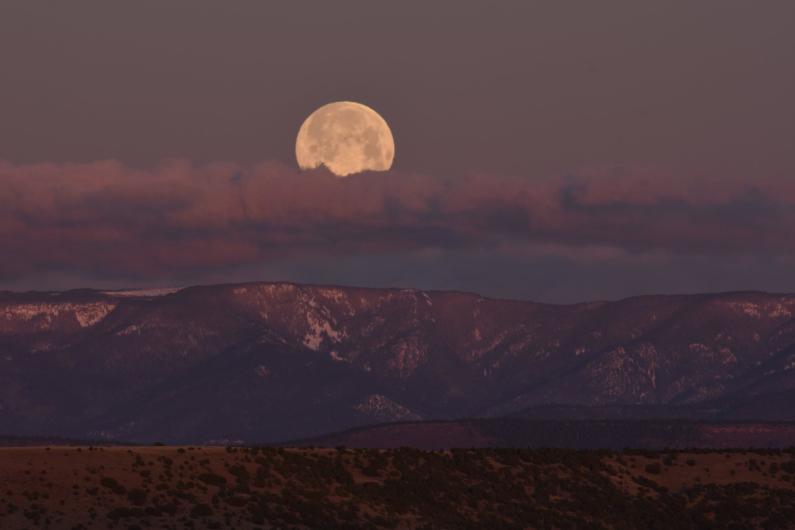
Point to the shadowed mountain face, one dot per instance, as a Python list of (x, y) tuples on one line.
[(268, 362)]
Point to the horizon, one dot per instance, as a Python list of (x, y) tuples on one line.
[(174, 289)]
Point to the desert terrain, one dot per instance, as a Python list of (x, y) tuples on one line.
[(137, 487)]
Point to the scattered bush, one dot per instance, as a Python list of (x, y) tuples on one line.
[(654, 468), (137, 497), (201, 510), (113, 485)]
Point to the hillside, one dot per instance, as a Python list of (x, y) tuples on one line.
[(241, 488), (272, 362), (652, 434)]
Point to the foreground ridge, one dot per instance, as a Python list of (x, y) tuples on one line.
[(214, 487)]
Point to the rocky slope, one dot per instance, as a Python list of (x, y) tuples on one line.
[(266, 362)]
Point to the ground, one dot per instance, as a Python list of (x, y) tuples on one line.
[(216, 487)]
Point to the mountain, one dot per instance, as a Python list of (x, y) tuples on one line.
[(654, 434), (264, 362)]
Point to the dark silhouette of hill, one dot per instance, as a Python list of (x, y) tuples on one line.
[(572, 434)]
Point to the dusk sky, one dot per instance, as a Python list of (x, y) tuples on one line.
[(552, 151)]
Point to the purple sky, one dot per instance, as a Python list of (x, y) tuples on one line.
[(557, 151)]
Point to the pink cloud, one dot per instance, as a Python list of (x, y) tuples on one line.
[(182, 217)]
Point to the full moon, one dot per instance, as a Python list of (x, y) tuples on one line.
[(347, 138)]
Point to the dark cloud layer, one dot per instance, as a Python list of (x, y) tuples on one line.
[(107, 221)]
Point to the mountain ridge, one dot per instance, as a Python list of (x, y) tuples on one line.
[(270, 361)]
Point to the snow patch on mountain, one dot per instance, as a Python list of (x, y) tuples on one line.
[(44, 314), (319, 330), (779, 311), (747, 308), (132, 329), (382, 408), (337, 295), (143, 293), (407, 355), (477, 353)]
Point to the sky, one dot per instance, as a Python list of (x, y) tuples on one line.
[(555, 151)]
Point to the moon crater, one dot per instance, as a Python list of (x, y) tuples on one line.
[(347, 138)]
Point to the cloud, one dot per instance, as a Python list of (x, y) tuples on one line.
[(104, 219)]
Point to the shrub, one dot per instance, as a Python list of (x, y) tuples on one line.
[(137, 497), (213, 479), (201, 510), (113, 485), (654, 469)]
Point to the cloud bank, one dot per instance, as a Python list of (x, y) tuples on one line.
[(107, 220)]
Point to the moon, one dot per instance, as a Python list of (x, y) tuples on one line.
[(347, 138)]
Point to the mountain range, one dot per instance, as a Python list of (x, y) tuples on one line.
[(268, 362)]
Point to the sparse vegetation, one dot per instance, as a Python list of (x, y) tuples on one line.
[(164, 487)]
